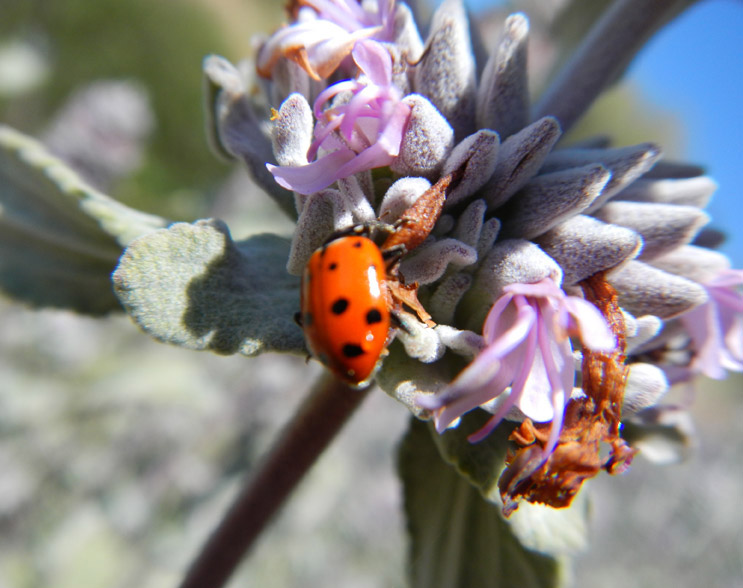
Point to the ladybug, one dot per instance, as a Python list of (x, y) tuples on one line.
[(351, 290), (346, 307)]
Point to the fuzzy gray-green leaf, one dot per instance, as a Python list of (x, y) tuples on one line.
[(477, 156), (59, 238), (459, 540), (503, 94), (519, 158), (549, 199), (447, 74), (643, 289), (235, 130), (405, 378), (551, 531), (626, 164), (583, 246), (663, 227), (692, 262), (695, 191), (191, 285), (427, 142)]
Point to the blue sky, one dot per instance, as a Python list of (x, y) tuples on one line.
[(694, 68)]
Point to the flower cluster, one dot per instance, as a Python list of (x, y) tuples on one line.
[(324, 33), (362, 134), (583, 267)]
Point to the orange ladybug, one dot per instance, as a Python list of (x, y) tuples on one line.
[(346, 307), (351, 288)]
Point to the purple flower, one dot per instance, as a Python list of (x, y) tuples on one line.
[(716, 327), (326, 33), (527, 348), (353, 15), (363, 133)]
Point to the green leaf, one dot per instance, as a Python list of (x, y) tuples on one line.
[(59, 238), (663, 434), (193, 286), (235, 130), (459, 540), (552, 531)]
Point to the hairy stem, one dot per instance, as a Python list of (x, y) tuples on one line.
[(323, 414), (603, 56)]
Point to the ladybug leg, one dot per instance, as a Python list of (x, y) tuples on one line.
[(402, 222), (298, 319), (381, 226), (361, 230), (407, 294), (394, 253), (398, 323)]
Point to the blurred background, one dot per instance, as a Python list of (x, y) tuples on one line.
[(118, 454)]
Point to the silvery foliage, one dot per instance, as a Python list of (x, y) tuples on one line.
[(526, 208)]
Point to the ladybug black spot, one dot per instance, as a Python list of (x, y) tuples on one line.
[(339, 306), (357, 244), (373, 316), (332, 266), (352, 350)]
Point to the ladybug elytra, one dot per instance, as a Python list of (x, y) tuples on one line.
[(345, 307)]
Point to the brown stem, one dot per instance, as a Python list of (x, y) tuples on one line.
[(323, 414)]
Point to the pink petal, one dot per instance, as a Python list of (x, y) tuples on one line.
[(311, 178), (391, 136), (702, 326), (356, 107), (330, 92), (727, 297), (733, 332), (369, 158), (507, 336), (302, 35), (323, 138), (727, 279), (546, 288), (534, 400), (556, 360), (520, 364), (595, 334), (491, 372), (375, 61), (495, 315), (348, 14), (462, 400)]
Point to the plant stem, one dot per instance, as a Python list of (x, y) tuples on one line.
[(614, 40), (328, 407)]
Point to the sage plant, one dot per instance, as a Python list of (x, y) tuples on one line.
[(569, 286)]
